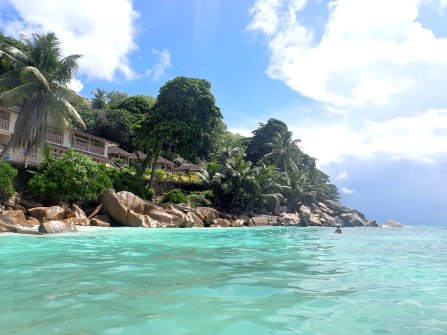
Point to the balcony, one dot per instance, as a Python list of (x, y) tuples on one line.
[(4, 124), (55, 138), (93, 149)]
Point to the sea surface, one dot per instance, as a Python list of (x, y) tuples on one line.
[(279, 280)]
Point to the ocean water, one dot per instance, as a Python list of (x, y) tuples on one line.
[(280, 280)]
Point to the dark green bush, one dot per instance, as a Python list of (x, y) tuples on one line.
[(124, 180), (73, 177), (200, 199), (7, 175), (175, 196)]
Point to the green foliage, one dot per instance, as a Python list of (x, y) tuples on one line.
[(38, 85), (257, 146), (160, 174), (124, 180), (73, 177), (7, 175), (200, 199), (137, 104), (99, 99), (175, 196)]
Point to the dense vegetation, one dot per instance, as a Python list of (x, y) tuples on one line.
[(7, 175), (259, 173)]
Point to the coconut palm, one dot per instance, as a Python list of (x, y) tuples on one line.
[(285, 153), (266, 186), (38, 85)]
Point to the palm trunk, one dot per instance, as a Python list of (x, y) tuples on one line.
[(143, 166), (6, 148), (151, 180)]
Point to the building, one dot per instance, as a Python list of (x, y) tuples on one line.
[(187, 168), (60, 140)]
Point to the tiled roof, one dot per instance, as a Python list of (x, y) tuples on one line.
[(189, 167)]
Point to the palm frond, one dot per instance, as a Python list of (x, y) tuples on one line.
[(8, 83), (68, 67), (71, 96), (17, 95), (32, 74)]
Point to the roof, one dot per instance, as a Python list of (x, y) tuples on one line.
[(162, 160), (121, 152), (141, 155), (94, 137), (189, 167)]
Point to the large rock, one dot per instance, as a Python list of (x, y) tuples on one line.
[(99, 223), (314, 221), (30, 203), (291, 219), (74, 221), (264, 220), (352, 219), (392, 224), (47, 213), (206, 214), (130, 210), (55, 226), (220, 223), (305, 215), (14, 218), (76, 212)]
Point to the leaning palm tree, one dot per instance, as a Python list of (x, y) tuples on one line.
[(285, 153), (37, 84)]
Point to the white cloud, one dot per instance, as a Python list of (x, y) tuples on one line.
[(342, 175), (76, 85), (346, 190), (242, 132), (101, 31), (371, 50), (421, 137), (158, 71)]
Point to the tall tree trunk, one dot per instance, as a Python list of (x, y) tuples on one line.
[(151, 180), (143, 166), (6, 148)]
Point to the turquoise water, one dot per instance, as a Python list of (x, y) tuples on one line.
[(226, 281)]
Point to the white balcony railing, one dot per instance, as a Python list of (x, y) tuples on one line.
[(79, 145), (4, 124), (55, 138)]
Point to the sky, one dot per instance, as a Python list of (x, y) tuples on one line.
[(362, 83)]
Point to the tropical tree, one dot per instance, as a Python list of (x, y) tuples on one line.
[(257, 146), (99, 99), (38, 85), (285, 153), (266, 187)]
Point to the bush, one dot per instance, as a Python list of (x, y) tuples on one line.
[(200, 199), (160, 174), (124, 180), (73, 177), (7, 175), (175, 196)]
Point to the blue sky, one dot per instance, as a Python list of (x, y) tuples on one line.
[(361, 82)]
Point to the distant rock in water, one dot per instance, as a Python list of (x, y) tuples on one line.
[(392, 224)]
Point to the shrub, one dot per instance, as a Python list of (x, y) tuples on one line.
[(7, 175), (160, 174), (73, 177), (175, 196), (200, 199), (124, 180)]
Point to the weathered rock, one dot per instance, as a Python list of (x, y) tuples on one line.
[(237, 223), (97, 210), (33, 221), (305, 215), (245, 218), (225, 216), (328, 220), (74, 221), (7, 227), (337, 207), (47, 213), (352, 220), (221, 223), (291, 219), (18, 214), (191, 217), (265, 220), (55, 226), (206, 214), (104, 217), (76, 212), (14, 218), (99, 223), (392, 224), (130, 210), (30, 204), (314, 221)]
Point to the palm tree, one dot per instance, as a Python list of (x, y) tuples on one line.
[(38, 85), (285, 153), (266, 187), (99, 100)]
